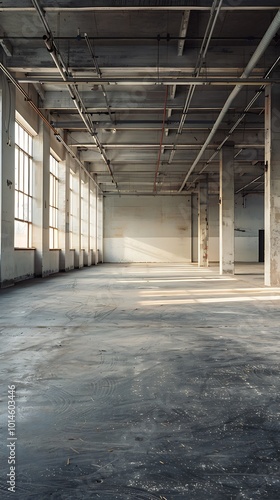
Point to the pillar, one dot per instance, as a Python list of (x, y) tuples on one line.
[(64, 215), (203, 232), (88, 250), (99, 212), (226, 220), (78, 255), (7, 181), (41, 197), (95, 247), (272, 186)]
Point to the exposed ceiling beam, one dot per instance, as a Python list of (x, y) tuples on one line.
[(269, 34), (73, 90)]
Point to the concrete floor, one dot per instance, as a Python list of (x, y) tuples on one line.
[(143, 382)]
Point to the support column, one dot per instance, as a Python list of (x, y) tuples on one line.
[(7, 181), (96, 227), (64, 215), (203, 231), (41, 197), (78, 256), (89, 252), (92, 223), (272, 186), (227, 210), (100, 227)]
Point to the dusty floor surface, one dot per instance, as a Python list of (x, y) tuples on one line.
[(142, 382)]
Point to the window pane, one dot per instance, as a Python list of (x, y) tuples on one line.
[(29, 209), (16, 168), (21, 234), (25, 207), (56, 238), (16, 204), (20, 205), (23, 187), (20, 169), (26, 174), (30, 234), (30, 177), (16, 133)]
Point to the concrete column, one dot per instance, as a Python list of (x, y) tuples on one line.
[(41, 197), (88, 249), (7, 182), (96, 227), (272, 186), (63, 215), (78, 256), (227, 210), (203, 231), (100, 227)]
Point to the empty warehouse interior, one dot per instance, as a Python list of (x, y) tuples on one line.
[(140, 249)]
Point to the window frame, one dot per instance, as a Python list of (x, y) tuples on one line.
[(23, 202), (53, 203)]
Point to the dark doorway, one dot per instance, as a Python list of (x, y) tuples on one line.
[(261, 245)]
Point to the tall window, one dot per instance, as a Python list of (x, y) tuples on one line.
[(53, 202), (84, 214), (23, 187)]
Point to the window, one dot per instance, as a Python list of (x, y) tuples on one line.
[(53, 223), (93, 218), (23, 187), (84, 215)]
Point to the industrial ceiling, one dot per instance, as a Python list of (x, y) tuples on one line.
[(145, 93)]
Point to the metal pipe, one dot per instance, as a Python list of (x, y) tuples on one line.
[(249, 183), (150, 81), (157, 5), (77, 100), (270, 33), (234, 127), (202, 53), (98, 71), (207, 36)]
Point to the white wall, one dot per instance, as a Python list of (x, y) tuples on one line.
[(24, 264), (249, 218), (147, 229), (53, 261)]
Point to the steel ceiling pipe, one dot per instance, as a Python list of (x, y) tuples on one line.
[(215, 9), (270, 33), (75, 96), (98, 71), (234, 127)]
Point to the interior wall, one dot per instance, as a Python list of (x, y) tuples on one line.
[(147, 229), (24, 264), (249, 219)]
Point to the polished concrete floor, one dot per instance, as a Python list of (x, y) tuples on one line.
[(142, 382)]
